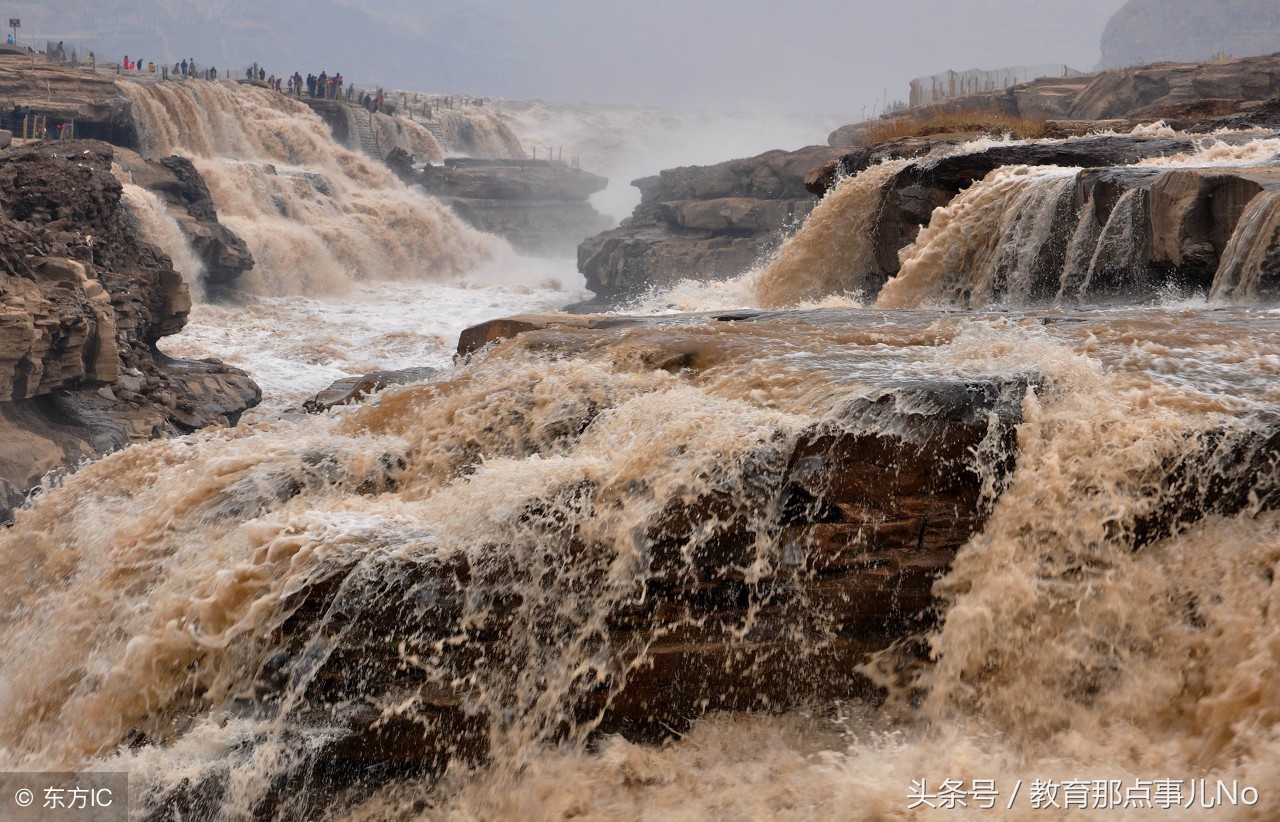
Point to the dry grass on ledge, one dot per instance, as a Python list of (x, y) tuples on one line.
[(995, 123)]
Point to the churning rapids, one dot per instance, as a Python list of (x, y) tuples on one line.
[(742, 564)]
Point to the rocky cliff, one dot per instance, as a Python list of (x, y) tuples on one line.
[(92, 101), (83, 302), (63, 93), (1147, 89), (1146, 31), (701, 222), (1097, 227), (539, 206), (1183, 95)]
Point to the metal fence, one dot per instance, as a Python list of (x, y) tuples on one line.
[(926, 90), (30, 125)]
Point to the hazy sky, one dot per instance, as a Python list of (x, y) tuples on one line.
[(833, 56), (815, 55)]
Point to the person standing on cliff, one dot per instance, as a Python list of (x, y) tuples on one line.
[(183, 64)]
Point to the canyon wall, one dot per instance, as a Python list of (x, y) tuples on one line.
[(83, 302)]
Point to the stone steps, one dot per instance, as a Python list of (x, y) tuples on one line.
[(367, 136), (437, 131)]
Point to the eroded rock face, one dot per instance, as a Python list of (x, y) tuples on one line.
[(224, 254), (1131, 233), (1128, 92), (917, 190), (910, 197), (1176, 229), (63, 93), (701, 222), (1187, 96), (539, 206), (82, 303)]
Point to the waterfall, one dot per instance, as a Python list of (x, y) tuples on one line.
[(462, 565), (407, 135), (1250, 263), (315, 216), (750, 564), (834, 251), (158, 225), (479, 132), (986, 241)]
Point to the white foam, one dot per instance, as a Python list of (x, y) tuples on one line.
[(296, 346)]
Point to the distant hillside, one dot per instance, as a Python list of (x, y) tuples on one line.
[(1148, 31)]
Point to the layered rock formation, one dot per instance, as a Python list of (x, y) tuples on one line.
[(1209, 229), (701, 222), (539, 206), (1146, 31), (64, 94), (82, 304), (1150, 88), (93, 102), (1184, 95)]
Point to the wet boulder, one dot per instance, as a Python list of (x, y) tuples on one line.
[(349, 390)]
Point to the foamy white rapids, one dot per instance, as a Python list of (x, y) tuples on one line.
[(1214, 152), (148, 595), (294, 347)]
